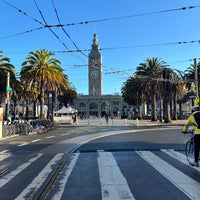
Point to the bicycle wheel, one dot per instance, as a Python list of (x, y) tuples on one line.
[(189, 150)]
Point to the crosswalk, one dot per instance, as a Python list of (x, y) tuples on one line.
[(162, 174)]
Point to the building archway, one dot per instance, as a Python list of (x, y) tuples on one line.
[(93, 109), (82, 110)]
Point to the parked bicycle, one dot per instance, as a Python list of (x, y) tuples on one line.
[(189, 148)]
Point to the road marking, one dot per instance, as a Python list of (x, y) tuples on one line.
[(50, 137), (113, 184), (65, 178), (4, 151), (3, 156), (35, 140), (186, 184), (5, 179), (24, 144), (36, 183), (178, 156)]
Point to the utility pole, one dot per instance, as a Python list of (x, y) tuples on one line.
[(7, 95), (196, 78), (196, 81)]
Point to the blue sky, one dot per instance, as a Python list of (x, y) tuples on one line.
[(132, 39)]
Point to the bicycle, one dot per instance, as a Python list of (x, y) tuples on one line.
[(189, 148)]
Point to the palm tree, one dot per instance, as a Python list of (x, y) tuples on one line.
[(190, 76), (5, 67), (167, 88), (151, 70), (132, 93), (178, 91), (43, 71)]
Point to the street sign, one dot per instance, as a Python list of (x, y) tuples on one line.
[(8, 89)]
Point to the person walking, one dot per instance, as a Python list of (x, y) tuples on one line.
[(194, 120)]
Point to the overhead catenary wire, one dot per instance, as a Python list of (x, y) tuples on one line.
[(66, 33), (44, 26), (52, 30)]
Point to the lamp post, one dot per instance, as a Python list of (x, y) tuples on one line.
[(7, 102), (196, 78)]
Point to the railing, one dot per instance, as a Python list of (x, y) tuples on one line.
[(15, 129), (21, 127)]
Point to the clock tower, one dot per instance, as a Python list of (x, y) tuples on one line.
[(95, 69)]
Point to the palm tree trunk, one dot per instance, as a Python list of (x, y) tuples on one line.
[(42, 100), (153, 107), (34, 108), (175, 107), (166, 105), (53, 105)]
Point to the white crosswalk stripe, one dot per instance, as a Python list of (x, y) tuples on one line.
[(59, 194), (189, 186), (3, 156), (31, 189), (12, 174), (178, 156), (113, 184)]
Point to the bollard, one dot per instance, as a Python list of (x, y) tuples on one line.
[(137, 121)]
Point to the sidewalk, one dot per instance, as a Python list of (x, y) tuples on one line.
[(125, 122), (152, 123)]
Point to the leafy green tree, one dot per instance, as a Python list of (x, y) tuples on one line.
[(151, 72), (68, 97), (43, 71), (190, 77), (5, 67), (132, 93)]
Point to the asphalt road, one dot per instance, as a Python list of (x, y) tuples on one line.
[(104, 162)]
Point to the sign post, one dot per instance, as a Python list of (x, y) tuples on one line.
[(1, 121)]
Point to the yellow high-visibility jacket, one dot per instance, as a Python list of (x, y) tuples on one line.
[(194, 120)]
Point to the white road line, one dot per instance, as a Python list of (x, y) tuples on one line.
[(33, 141), (186, 184), (4, 151), (24, 144), (178, 156), (113, 184), (5, 179), (36, 183), (50, 137), (3, 156), (65, 178)]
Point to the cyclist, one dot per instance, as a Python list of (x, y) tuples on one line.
[(194, 120)]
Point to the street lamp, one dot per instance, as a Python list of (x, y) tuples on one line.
[(7, 101)]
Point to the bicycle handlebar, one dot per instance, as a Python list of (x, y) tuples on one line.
[(189, 131)]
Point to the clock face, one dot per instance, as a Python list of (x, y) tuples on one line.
[(94, 74)]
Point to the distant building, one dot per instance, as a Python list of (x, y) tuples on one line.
[(95, 103)]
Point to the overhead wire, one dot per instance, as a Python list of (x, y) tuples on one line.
[(92, 21), (66, 33), (45, 25), (135, 46)]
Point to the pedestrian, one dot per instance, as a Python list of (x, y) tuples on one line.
[(9, 119), (194, 119), (106, 116), (74, 118)]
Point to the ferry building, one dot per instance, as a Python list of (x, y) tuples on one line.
[(95, 103)]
